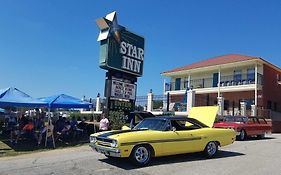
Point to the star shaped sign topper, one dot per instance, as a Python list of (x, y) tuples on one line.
[(109, 27)]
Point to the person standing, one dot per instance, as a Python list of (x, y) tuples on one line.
[(104, 123)]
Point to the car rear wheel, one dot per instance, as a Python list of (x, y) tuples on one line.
[(261, 136), (242, 135), (211, 149), (141, 155)]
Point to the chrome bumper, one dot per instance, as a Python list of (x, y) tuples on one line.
[(106, 151)]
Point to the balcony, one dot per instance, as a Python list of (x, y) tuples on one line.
[(230, 80)]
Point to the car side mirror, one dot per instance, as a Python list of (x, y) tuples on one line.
[(174, 129)]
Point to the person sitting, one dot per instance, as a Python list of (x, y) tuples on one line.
[(22, 121), (12, 127), (74, 127), (104, 123), (17, 128), (82, 125), (66, 127), (59, 125), (39, 128), (65, 131), (27, 129), (73, 123)]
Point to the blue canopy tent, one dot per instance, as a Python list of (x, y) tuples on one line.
[(65, 101), (12, 97), (2, 110), (62, 101)]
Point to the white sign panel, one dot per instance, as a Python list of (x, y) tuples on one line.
[(123, 90)]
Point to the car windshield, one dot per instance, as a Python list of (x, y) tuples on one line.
[(151, 124), (235, 119)]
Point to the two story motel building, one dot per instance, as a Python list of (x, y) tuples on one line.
[(236, 78)]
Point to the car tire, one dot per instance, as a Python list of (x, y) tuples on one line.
[(211, 149), (141, 155), (242, 136), (261, 136)]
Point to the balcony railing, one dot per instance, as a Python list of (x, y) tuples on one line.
[(230, 80)]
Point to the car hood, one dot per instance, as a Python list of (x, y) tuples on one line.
[(125, 133), (204, 114)]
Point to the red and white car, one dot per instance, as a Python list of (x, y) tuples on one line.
[(245, 126)]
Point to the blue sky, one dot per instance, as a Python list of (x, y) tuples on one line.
[(50, 47)]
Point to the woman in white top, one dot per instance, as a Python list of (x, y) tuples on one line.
[(104, 123)]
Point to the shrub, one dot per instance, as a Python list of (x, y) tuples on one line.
[(116, 119)]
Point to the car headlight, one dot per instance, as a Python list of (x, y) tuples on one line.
[(93, 139), (114, 143)]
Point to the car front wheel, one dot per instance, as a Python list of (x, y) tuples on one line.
[(141, 155), (211, 149), (242, 135)]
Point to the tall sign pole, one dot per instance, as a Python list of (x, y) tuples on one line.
[(122, 55)]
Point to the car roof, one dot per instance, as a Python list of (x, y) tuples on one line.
[(170, 117), (192, 120), (241, 116)]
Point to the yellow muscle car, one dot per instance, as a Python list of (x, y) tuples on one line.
[(162, 136)]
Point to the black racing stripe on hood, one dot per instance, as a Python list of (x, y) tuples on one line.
[(115, 132)]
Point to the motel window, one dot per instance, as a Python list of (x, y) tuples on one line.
[(215, 102), (237, 75), (178, 84), (251, 74), (185, 83), (226, 104), (249, 102)]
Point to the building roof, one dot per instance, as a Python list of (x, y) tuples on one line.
[(224, 59)]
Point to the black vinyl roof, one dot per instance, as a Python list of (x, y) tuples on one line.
[(169, 117), (192, 120)]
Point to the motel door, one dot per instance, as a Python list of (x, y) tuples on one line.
[(215, 79)]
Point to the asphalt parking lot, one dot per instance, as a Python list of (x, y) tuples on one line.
[(253, 156)]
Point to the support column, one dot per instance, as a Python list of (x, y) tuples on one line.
[(165, 93), (256, 84), (98, 104), (219, 83), (253, 110), (243, 108), (149, 102), (190, 99), (221, 105), (188, 84)]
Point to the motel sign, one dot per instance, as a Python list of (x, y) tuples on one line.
[(120, 49)]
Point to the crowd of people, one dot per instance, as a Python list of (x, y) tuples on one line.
[(35, 127), (25, 126)]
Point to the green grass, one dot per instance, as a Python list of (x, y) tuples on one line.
[(26, 146)]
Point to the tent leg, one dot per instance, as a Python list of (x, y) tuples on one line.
[(50, 130), (46, 139), (54, 144), (95, 130)]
